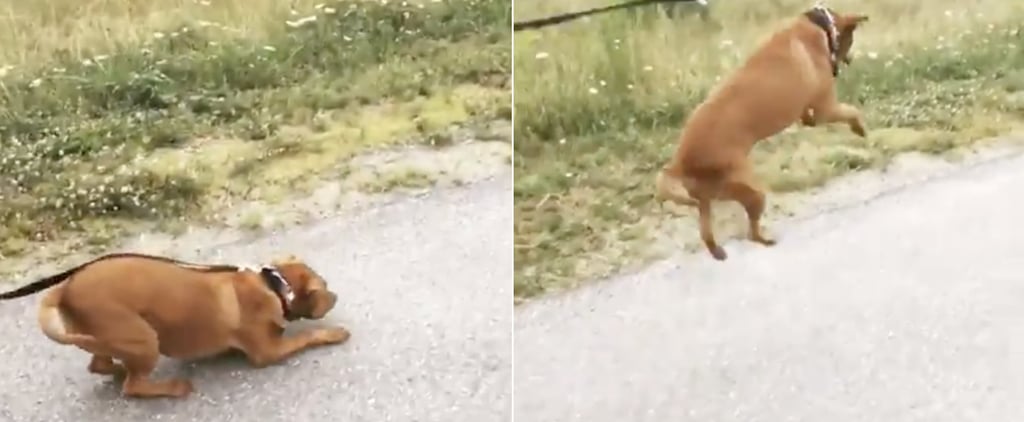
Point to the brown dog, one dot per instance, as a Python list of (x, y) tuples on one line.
[(790, 76), (134, 308)]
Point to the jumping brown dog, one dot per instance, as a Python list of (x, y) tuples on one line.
[(134, 308), (789, 77)]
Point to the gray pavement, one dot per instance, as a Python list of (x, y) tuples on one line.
[(424, 285), (907, 308)]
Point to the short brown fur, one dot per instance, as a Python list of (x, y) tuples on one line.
[(789, 77), (134, 308)]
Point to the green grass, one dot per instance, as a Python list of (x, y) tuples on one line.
[(154, 126), (599, 105)]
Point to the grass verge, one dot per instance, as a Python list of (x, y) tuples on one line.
[(115, 111), (599, 104)]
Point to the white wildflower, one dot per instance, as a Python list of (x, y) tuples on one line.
[(300, 22)]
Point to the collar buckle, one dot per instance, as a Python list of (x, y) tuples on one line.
[(279, 286), (824, 19)]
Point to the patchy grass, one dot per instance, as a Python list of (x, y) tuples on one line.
[(115, 111), (600, 103), (409, 178)]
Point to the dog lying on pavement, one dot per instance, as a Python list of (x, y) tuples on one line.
[(789, 77), (133, 308)]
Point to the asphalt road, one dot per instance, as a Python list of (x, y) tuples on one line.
[(907, 308), (424, 285)]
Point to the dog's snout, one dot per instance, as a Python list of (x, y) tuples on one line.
[(332, 300)]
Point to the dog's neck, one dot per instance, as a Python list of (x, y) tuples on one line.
[(824, 19), (276, 283)]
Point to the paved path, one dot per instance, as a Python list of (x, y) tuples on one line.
[(907, 308), (424, 285)]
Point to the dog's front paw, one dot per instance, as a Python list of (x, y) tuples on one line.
[(858, 127), (180, 388), (332, 335)]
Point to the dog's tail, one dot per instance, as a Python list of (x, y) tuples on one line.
[(565, 17), (40, 285), (53, 280), (670, 185), (51, 322), (49, 309)]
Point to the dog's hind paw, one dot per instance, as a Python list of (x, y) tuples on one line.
[(764, 240), (718, 253)]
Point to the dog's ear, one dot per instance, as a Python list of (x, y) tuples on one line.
[(849, 22), (321, 302), (846, 24)]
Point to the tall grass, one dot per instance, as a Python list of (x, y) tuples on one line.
[(599, 104), (90, 88)]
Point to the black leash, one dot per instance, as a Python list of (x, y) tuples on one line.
[(565, 17)]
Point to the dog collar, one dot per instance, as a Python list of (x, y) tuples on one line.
[(277, 284), (824, 19)]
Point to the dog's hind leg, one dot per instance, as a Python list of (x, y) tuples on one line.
[(706, 232), (742, 189), (104, 365), (129, 338)]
